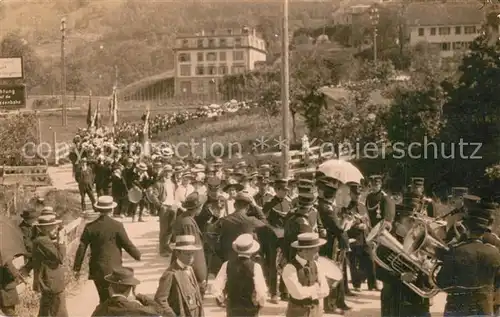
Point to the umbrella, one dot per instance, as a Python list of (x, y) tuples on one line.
[(344, 171), (11, 240)]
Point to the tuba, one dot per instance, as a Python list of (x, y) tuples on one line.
[(418, 254)]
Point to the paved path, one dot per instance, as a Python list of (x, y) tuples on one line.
[(62, 177), (148, 271)]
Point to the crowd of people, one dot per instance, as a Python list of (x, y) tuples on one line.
[(215, 217), (132, 131)]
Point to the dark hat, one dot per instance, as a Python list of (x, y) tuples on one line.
[(329, 182), (470, 200), (193, 201), (306, 199), (264, 180), (122, 276), (244, 196), (29, 214), (480, 216), (233, 184), (417, 181), (281, 183), (354, 188), (214, 182), (252, 175), (375, 178)]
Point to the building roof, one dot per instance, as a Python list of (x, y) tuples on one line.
[(145, 82), (438, 13)]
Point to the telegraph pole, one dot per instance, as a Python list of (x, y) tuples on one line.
[(63, 74), (285, 91)]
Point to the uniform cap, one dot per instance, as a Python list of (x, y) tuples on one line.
[(417, 181)]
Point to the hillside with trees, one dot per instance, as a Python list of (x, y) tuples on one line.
[(136, 36)]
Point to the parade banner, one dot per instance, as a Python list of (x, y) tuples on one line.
[(12, 97)]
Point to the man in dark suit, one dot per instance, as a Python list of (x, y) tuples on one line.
[(106, 237), (238, 223), (84, 176), (9, 298), (185, 224), (122, 282), (48, 258), (29, 230)]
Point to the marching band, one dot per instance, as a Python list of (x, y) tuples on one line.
[(269, 238)]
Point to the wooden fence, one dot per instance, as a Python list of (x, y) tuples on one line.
[(25, 175), (297, 158)]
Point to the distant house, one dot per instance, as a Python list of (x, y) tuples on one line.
[(337, 95)]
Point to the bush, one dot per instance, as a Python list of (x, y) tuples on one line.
[(46, 103), (15, 132)]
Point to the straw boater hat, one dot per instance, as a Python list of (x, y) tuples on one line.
[(142, 166), (245, 244), (47, 211), (47, 220), (308, 240), (105, 204), (122, 276), (185, 243)]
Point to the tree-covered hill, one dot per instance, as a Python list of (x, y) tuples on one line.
[(136, 36)]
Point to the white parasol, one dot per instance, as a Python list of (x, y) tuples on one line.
[(344, 171)]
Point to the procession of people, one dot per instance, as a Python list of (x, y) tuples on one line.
[(265, 237)]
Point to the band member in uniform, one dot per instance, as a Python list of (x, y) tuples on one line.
[(427, 206), (304, 278), (106, 238), (277, 211), (242, 279), (185, 224), (119, 191), (455, 228), (397, 299), (360, 262), (143, 182), (379, 204), (178, 291), (121, 284), (266, 192), (103, 176), (470, 273), (330, 217)]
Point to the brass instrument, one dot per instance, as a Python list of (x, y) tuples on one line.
[(416, 255)]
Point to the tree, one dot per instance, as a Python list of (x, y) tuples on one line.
[(74, 79), (472, 108), (13, 45)]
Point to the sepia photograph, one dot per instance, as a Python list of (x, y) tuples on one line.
[(246, 158)]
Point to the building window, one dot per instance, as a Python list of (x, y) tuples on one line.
[(223, 70), (184, 57), (237, 42), (470, 30), (200, 43), (185, 43), (444, 31), (222, 56), (185, 70), (200, 86), (458, 30), (212, 57), (420, 31), (433, 31), (222, 43), (238, 56), (458, 45), (212, 70), (200, 57), (446, 46), (200, 70), (237, 69), (211, 43)]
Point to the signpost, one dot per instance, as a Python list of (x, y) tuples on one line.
[(11, 68), (12, 97)]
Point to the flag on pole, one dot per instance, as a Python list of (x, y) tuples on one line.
[(115, 106), (89, 111), (145, 134), (97, 119)]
